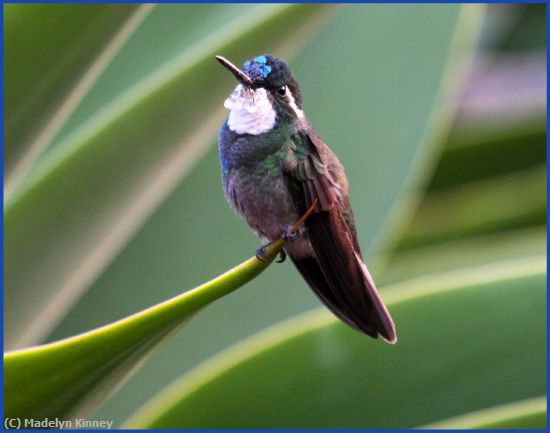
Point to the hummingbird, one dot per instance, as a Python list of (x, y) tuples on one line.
[(275, 167)]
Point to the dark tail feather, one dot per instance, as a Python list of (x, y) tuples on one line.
[(311, 272), (380, 314), (371, 318), (341, 279)]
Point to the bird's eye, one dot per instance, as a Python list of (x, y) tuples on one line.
[(281, 91)]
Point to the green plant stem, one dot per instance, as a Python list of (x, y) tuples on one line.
[(72, 376)]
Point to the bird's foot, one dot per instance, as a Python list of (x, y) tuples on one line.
[(290, 234), (260, 254)]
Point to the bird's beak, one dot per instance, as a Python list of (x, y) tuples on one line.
[(239, 75)]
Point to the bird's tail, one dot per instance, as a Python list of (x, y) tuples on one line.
[(338, 276)]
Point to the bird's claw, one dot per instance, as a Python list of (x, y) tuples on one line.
[(289, 234), (260, 254)]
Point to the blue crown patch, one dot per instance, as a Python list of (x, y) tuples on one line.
[(257, 69)]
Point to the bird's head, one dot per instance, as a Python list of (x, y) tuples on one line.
[(265, 81)]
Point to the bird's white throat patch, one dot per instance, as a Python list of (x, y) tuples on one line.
[(251, 112)]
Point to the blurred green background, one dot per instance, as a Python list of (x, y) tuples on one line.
[(113, 202)]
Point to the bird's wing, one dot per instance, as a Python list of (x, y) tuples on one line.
[(337, 273)]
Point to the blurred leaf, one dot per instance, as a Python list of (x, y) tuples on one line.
[(95, 190), (472, 151), (529, 29), (462, 337), (486, 206), (495, 153), (458, 253), (69, 378), (516, 28), (54, 53), (168, 31), (526, 414), (497, 132), (370, 83), (523, 75)]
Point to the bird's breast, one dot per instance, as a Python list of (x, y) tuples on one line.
[(261, 196)]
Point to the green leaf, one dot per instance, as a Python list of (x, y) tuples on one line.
[(525, 414), (95, 190), (519, 146), (54, 54), (71, 377), (463, 252), (485, 206), (168, 31), (470, 339), (494, 154), (370, 83)]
